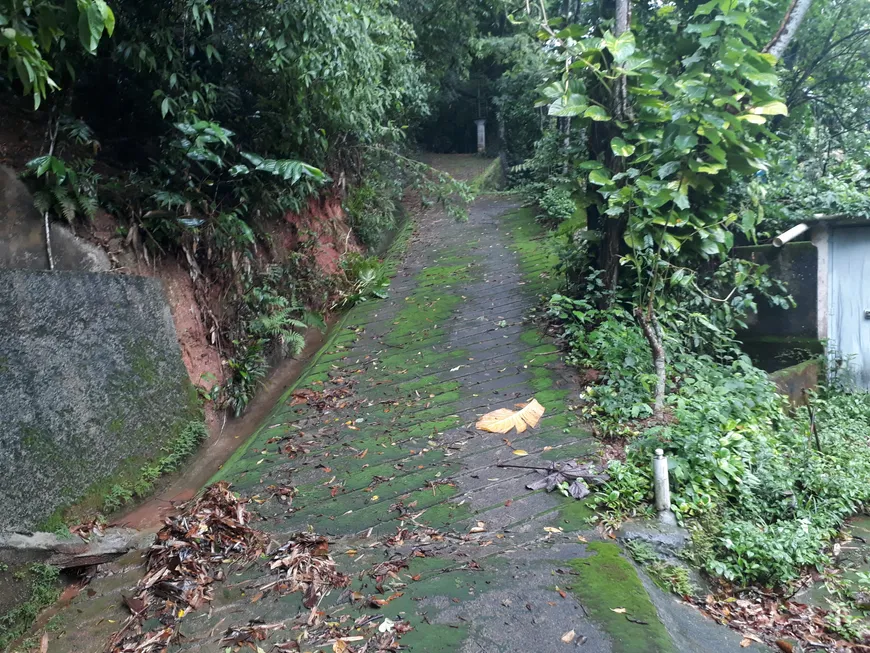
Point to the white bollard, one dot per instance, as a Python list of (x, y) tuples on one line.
[(661, 481), (481, 135)]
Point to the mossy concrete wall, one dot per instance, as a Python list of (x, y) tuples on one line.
[(22, 235), (792, 381), (779, 337), (92, 385)]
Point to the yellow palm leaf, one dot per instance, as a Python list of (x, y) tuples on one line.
[(504, 419)]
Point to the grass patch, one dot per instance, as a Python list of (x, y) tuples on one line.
[(44, 591), (668, 576)]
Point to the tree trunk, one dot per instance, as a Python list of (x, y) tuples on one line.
[(612, 233), (652, 330), (564, 125), (792, 20), (621, 109), (502, 150)]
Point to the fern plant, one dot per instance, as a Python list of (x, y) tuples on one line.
[(63, 189), (273, 316), (366, 278), (247, 369), (278, 324)]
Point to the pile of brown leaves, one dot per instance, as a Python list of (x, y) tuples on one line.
[(421, 535), (88, 528), (771, 620), (183, 562), (323, 400), (304, 565)]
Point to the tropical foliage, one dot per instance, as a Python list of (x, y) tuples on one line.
[(676, 134)]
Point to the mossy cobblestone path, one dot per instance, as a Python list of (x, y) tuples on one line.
[(395, 448)]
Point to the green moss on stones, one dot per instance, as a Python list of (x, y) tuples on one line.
[(574, 515), (135, 477), (608, 581)]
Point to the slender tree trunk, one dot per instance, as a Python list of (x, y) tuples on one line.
[(565, 129), (621, 108), (652, 330), (614, 228), (792, 20)]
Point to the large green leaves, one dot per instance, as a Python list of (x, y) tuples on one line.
[(568, 105), (774, 108), (699, 109), (286, 169), (31, 31), (621, 47), (95, 17), (621, 148)]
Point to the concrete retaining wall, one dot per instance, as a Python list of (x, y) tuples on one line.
[(91, 386), (778, 337), (792, 381)]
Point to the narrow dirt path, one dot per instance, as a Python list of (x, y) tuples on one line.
[(378, 441)]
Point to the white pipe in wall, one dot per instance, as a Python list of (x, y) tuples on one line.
[(790, 235)]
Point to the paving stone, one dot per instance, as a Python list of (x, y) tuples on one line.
[(396, 457)]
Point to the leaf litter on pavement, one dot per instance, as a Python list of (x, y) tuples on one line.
[(304, 565), (189, 555), (769, 619), (184, 561)]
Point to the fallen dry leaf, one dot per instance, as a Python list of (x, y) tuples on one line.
[(745, 642), (618, 610), (569, 637), (520, 452), (504, 419), (552, 529), (43, 645)]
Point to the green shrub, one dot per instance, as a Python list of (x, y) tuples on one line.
[(762, 502), (44, 590), (366, 278), (246, 371), (373, 207), (558, 204)]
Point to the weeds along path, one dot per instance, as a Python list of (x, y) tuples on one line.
[(375, 448)]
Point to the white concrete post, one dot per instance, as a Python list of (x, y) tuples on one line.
[(481, 135), (662, 482)]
